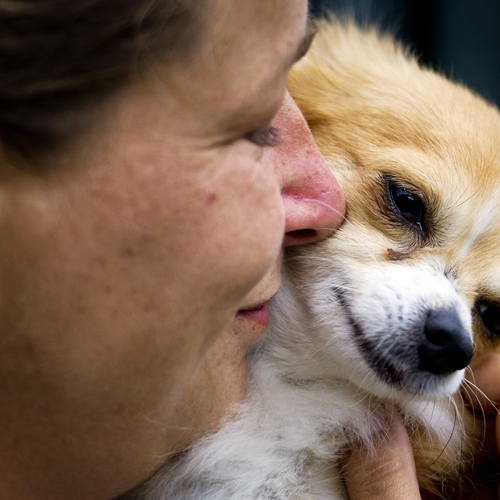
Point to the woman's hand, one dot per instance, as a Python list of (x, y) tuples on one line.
[(486, 376), (388, 474)]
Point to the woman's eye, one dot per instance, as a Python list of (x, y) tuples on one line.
[(490, 316), (408, 205), (267, 137)]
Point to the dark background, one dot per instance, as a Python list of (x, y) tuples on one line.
[(461, 38)]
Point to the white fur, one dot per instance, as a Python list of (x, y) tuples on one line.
[(307, 400)]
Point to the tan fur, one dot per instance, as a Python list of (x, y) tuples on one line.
[(374, 110)]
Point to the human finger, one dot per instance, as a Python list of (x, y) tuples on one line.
[(385, 473), (485, 377)]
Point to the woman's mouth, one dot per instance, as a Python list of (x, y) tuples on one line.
[(253, 317), (257, 316)]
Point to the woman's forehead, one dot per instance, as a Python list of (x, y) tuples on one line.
[(244, 63), (277, 26)]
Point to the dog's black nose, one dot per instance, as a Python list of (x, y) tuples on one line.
[(446, 346)]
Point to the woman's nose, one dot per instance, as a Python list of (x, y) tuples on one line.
[(313, 201)]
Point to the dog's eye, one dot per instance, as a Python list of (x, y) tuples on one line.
[(490, 315), (408, 205)]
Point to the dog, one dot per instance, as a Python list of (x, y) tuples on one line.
[(384, 316)]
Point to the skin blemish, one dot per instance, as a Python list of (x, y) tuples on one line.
[(136, 245), (211, 198), (128, 252)]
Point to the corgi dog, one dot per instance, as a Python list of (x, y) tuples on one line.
[(385, 315)]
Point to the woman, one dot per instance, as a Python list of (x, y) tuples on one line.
[(145, 202), (143, 216)]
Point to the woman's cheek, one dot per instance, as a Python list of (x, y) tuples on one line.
[(253, 215)]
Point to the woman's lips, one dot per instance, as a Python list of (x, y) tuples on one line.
[(248, 326), (258, 316), (253, 317)]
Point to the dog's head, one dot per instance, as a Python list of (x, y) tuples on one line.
[(409, 286)]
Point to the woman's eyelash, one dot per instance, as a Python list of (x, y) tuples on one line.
[(267, 137)]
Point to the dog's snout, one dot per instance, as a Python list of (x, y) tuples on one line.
[(445, 345)]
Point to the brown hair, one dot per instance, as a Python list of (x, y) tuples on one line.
[(59, 57)]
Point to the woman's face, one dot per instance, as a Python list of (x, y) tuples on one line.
[(125, 260)]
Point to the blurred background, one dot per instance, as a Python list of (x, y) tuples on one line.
[(460, 38)]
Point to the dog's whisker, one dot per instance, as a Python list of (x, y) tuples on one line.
[(327, 205), (471, 390), (476, 390), (305, 258), (470, 196)]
